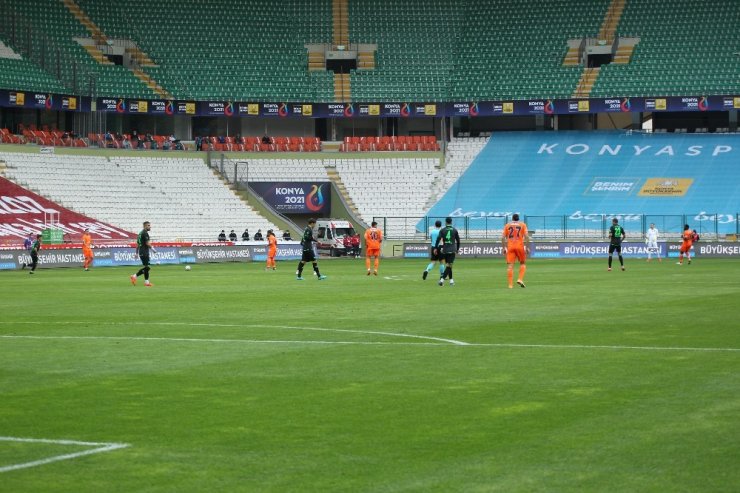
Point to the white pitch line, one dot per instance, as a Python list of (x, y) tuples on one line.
[(100, 447), (253, 326), (371, 343)]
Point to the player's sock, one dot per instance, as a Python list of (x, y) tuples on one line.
[(449, 272), (510, 274), (610, 261), (146, 275), (367, 263), (430, 266), (316, 269), (299, 272), (441, 269), (621, 261), (522, 271)]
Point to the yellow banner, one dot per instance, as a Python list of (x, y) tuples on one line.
[(307, 110), (373, 109), (736, 103), (430, 109), (253, 109), (509, 107), (72, 104), (20, 98), (665, 187), (660, 104), (190, 108), (143, 106), (584, 105)]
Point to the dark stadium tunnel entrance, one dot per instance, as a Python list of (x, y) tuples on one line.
[(341, 65)]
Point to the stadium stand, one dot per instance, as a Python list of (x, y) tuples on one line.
[(54, 28), (686, 47), (23, 75), (438, 50), (394, 143), (181, 197), (270, 169), (416, 48), (513, 49), (567, 181), (255, 49), (395, 188), (460, 153)]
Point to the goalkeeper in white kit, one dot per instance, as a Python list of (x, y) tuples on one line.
[(651, 240)]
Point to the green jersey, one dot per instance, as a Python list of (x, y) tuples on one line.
[(142, 243)]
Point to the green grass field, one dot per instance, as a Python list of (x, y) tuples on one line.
[(230, 378)]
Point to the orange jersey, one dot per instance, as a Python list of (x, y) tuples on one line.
[(514, 233), (373, 237), (86, 240), (272, 243), (688, 237)]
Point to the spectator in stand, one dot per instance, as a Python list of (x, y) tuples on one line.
[(258, 235), (286, 235), (266, 139), (28, 242), (232, 235), (126, 144), (238, 139), (347, 242), (222, 235), (152, 142), (356, 245), (245, 235), (108, 139), (198, 142)]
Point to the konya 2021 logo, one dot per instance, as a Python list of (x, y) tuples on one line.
[(315, 198)]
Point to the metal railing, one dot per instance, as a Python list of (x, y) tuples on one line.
[(591, 226)]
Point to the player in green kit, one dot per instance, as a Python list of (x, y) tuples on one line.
[(309, 255), (35, 247), (616, 235), (448, 244), (143, 248)]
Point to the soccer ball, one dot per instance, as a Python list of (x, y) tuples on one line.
[(187, 267)]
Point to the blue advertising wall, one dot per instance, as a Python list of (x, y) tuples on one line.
[(584, 175)]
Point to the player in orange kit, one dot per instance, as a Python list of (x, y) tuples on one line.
[(87, 252), (271, 250), (373, 239), (688, 240), (515, 240)]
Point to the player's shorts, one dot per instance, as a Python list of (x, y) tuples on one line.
[(449, 258), (272, 252), (144, 260), (372, 252), (685, 247), (515, 253), (308, 256), (435, 257), (652, 245), (615, 248), (87, 253)]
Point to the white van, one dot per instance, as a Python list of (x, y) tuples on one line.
[(330, 234)]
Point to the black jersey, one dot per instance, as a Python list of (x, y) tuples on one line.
[(36, 246), (450, 239), (307, 239), (616, 234), (142, 243)]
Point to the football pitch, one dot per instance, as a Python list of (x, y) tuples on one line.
[(231, 378)]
